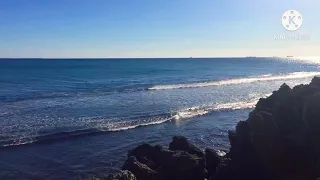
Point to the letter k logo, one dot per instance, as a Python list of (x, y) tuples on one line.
[(292, 20)]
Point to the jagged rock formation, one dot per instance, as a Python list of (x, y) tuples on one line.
[(279, 141)]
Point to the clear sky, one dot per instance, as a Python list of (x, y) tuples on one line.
[(154, 28)]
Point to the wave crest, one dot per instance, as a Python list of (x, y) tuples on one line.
[(295, 75)]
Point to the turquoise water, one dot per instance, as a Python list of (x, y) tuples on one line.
[(69, 118)]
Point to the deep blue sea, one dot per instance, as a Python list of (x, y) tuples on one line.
[(69, 119)]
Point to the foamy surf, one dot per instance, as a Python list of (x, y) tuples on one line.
[(186, 114), (203, 110), (235, 106), (182, 114), (295, 75), (123, 126), (19, 143)]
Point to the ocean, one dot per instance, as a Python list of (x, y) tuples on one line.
[(74, 118)]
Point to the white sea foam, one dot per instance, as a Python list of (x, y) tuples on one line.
[(180, 115), (123, 127), (189, 113), (235, 106), (203, 110), (19, 142), (221, 153), (266, 75), (295, 75)]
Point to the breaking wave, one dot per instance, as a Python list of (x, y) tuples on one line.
[(122, 126), (295, 75), (203, 110)]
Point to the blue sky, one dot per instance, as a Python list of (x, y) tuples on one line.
[(154, 28)]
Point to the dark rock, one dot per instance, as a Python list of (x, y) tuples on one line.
[(145, 150), (180, 160), (176, 165), (280, 139), (264, 104), (242, 161), (315, 82), (243, 133), (284, 88), (224, 171), (181, 143), (122, 175), (311, 112), (270, 103), (148, 162), (147, 154), (232, 137), (141, 171), (153, 162), (263, 130), (212, 161)]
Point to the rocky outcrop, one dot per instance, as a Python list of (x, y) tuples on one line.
[(281, 137), (185, 162), (280, 140)]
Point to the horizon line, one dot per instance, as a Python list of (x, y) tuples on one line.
[(145, 57)]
